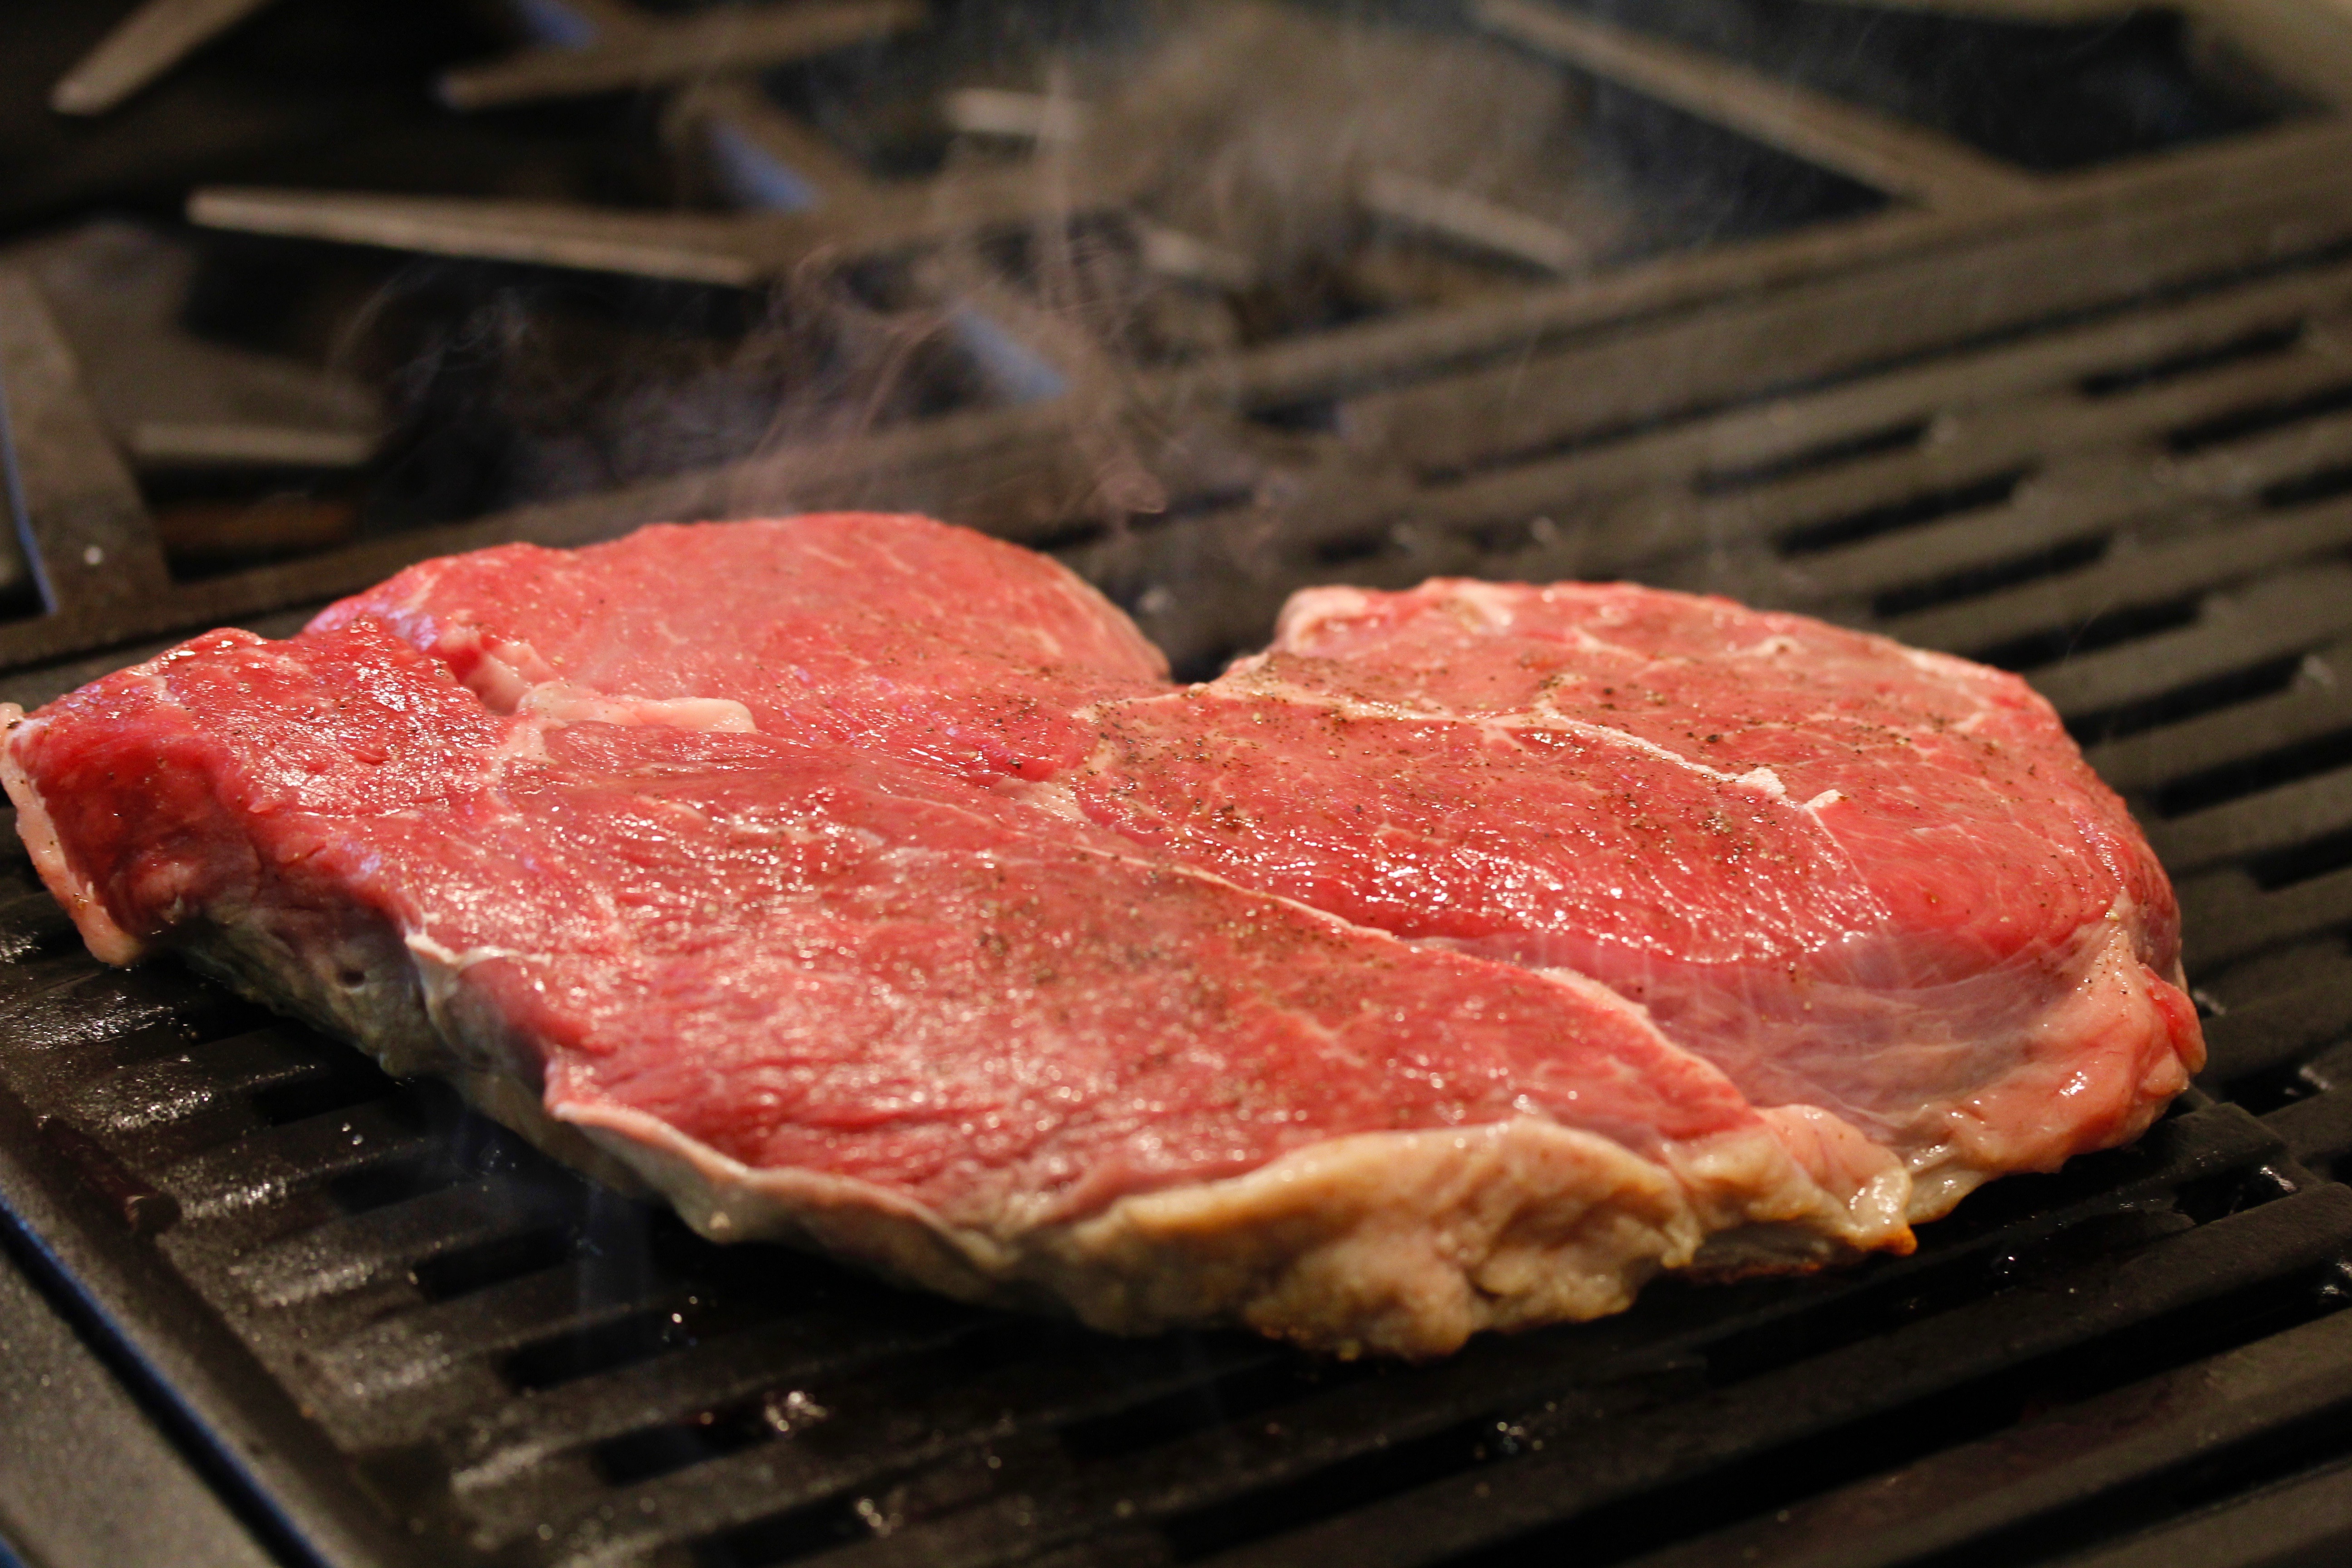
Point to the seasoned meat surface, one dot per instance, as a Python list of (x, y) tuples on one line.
[(1467, 959), (1852, 875)]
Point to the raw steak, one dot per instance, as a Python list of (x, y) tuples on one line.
[(1854, 875), (1463, 962)]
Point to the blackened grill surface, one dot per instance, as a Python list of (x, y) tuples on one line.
[(447, 1349), (2106, 441)]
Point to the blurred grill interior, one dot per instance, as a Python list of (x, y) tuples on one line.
[(2017, 327)]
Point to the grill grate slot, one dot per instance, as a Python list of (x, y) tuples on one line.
[(388, 1183), (416, 1233), (298, 1156), (2284, 1024), (2056, 647), (2317, 1131), (621, 1339), (656, 1451), (1830, 454), (493, 1260), (2299, 863), (2230, 549), (1913, 511), (2262, 827), (2226, 918), (2238, 647), (336, 1085), (789, 1538), (2325, 484), (28, 931), (2058, 560), (2260, 343), (2259, 420)]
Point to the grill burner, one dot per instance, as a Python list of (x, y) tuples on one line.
[(2093, 425)]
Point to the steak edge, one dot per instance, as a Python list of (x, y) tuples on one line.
[(843, 880)]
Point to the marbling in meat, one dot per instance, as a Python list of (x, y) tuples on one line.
[(1852, 875), (1465, 961)]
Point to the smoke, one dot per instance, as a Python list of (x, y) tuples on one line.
[(1255, 127), (512, 387), (1240, 137)]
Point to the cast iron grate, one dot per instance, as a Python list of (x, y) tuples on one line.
[(485, 1359), (493, 1362), (2100, 436)]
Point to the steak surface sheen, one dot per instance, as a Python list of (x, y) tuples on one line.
[(1463, 962)]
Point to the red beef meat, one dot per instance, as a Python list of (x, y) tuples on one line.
[(1852, 875), (1462, 963)]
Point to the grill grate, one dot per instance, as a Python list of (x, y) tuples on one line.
[(513, 1367), (2099, 431)]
